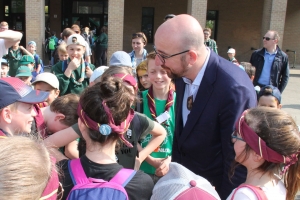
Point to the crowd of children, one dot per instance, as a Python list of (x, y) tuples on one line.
[(116, 124)]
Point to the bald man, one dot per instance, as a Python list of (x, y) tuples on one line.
[(211, 95)]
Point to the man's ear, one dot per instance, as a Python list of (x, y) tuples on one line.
[(192, 57), (59, 116), (6, 115), (279, 106)]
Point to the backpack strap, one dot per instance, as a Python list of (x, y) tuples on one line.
[(259, 193), (76, 172), (64, 65), (123, 176)]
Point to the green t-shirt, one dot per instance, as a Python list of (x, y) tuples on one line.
[(13, 57), (66, 86), (165, 149)]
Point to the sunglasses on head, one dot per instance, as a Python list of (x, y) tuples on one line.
[(137, 35), (267, 38)]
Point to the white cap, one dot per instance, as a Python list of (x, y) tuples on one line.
[(49, 78), (231, 50), (97, 73), (76, 39)]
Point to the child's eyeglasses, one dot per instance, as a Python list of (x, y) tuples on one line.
[(235, 137)]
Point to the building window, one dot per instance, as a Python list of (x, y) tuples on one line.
[(212, 22), (6, 11), (17, 6), (148, 23), (89, 7)]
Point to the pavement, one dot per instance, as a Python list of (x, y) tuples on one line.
[(291, 98)]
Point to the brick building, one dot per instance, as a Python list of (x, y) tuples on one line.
[(235, 23)]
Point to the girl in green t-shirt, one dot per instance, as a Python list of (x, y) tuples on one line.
[(159, 105)]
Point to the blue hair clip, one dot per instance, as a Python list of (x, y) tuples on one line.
[(105, 129)]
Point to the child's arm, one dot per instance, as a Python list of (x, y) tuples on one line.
[(25, 51), (71, 150), (158, 135), (61, 138), (38, 69)]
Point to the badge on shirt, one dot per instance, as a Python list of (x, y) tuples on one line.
[(129, 133), (163, 117)]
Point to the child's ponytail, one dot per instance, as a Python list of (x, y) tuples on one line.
[(292, 180)]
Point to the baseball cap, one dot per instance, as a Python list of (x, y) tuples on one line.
[(181, 184), (76, 39), (231, 50), (32, 42), (120, 58), (98, 72), (13, 90), (4, 62), (47, 77), (26, 59), (270, 90), (23, 71)]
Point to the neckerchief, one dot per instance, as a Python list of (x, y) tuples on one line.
[(151, 101), (15, 54), (82, 74)]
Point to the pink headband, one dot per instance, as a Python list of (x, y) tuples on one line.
[(260, 147), (106, 129), (50, 191), (128, 79)]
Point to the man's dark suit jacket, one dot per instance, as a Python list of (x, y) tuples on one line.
[(204, 144)]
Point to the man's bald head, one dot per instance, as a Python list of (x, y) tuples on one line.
[(184, 30)]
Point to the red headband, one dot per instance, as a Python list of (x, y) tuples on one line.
[(105, 129), (50, 191), (259, 146), (128, 79)]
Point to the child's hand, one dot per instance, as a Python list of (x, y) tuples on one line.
[(88, 71), (164, 167), (74, 64), (21, 47)]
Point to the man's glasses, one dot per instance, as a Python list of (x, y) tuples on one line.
[(163, 57), (235, 137), (267, 38)]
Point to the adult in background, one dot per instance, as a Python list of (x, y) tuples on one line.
[(208, 41), (211, 94), (101, 46), (272, 64), (3, 26)]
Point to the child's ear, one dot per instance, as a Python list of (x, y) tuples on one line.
[(279, 106), (6, 115), (59, 116), (256, 157), (57, 93), (252, 78)]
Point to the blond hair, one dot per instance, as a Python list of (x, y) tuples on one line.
[(25, 167), (62, 48), (3, 24)]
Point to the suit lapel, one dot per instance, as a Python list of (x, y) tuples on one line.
[(202, 98), (180, 86)]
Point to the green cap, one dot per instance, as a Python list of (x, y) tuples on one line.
[(26, 59), (23, 71)]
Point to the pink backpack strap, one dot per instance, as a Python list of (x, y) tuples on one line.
[(123, 176), (257, 191), (76, 172)]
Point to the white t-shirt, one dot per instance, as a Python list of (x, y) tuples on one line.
[(3, 50), (278, 192)]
